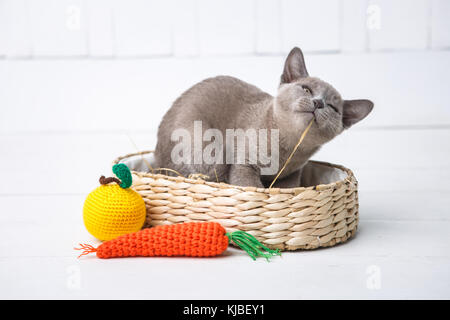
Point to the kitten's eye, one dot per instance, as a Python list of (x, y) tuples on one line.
[(333, 107), (307, 90)]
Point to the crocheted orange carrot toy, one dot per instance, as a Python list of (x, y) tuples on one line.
[(192, 239)]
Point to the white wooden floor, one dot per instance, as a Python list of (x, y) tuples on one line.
[(63, 122)]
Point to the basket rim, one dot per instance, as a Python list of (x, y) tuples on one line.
[(350, 178)]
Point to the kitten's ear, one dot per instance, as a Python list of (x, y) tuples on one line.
[(355, 111), (294, 67)]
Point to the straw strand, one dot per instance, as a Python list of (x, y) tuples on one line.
[(302, 137)]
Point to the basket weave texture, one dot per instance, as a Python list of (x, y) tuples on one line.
[(286, 219)]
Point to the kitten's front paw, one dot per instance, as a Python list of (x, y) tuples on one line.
[(244, 176)]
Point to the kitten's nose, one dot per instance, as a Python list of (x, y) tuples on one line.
[(318, 103)]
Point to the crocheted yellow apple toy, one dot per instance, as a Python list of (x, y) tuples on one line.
[(113, 209)]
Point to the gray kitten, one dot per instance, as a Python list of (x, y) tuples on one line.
[(224, 102)]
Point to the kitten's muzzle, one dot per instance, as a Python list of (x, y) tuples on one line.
[(305, 105), (318, 103)]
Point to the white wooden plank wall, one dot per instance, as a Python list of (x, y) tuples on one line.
[(354, 33), (440, 24), (100, 19), (185, 28), (147, 28), (15, 32), (268, 27), (313, 25), (403, 24), (142, 27), (58, 27)]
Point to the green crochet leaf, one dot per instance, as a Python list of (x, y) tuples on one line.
[(124, 174), (251, 245)]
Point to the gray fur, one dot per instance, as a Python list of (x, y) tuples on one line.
[(225, 102)]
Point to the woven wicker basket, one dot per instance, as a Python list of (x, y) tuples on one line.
[(321, 215)]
